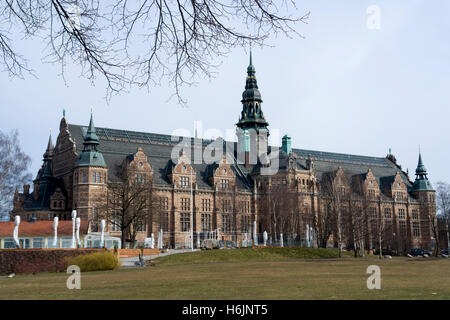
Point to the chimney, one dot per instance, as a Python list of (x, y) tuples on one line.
[(26, 189), (286, 145)]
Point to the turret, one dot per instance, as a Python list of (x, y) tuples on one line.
[(252, 123), (90, 179)]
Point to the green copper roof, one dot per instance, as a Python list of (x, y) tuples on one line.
[(421, 183), (91, 136), (90, 155), (91, 159)]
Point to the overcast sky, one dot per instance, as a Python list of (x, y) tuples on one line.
[(344, 88)]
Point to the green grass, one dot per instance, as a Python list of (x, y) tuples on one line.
[(250, 254), (287, 277)]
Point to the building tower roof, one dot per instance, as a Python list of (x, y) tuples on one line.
[(421, 183), (251, 115), (90, 155)]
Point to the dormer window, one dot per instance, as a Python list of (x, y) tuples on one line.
[(224, 183), (184, 182), (140, 178)]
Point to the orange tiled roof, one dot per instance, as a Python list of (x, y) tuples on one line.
[(40, 228)]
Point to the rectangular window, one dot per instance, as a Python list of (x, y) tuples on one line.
[(9, 244), (224, 183), (206, 205), (245, 207), (139, 178), (387, 213), (164, 221), (373, 212), (402, 224), (371, 194), (38, 242), (114, 226), (401, 214), (184, 182), (185, 204), (164, 203), (99, 177), (245, 223), (416, 229), (84, 177), (184, 222), (415, 214), (140, 225), (226, 205), (206, 222), (75, 178), (226, 223), (94, 177)]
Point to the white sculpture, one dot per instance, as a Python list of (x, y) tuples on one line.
[(281, 240), (77, 231), (160, 233), (102, 233), (255, 237), (198, 239), (265, 238), (16, 230), (152, 241), (307, 236), (74, 216), (55, 231)]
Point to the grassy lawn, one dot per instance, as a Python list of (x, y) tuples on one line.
[(243, 274)]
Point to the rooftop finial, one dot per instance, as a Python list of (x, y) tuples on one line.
[(64, 113), (251, 53)]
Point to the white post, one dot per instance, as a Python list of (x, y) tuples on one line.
[(102, 233), (74, 216), (245, 240), (16, 230), (281, 239), (55, 231), (77, 231)]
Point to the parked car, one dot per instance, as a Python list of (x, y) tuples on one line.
[(384, 252), (420, 252), (444, 251)]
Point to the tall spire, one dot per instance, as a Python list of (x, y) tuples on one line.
[(46, 171), (252, 116), (49, 151), (421, 183), (91, 139)]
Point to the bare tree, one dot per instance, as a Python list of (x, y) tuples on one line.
[(14, 164), (140, 42), (443, 206), (130, 203), (335, 197)]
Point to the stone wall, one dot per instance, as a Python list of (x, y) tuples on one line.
[(37, 260)]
